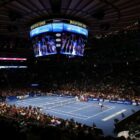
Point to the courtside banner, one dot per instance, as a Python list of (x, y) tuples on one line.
[(128, 102), (10, 98), (112, 101), (93, 99), (120, 102)]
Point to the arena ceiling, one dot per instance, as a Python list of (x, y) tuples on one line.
[(101, 16)]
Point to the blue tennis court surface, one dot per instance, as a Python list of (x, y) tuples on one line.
[(83, 112)]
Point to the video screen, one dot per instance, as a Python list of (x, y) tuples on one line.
[(58, 27), (44, 45), (71, 40), (73, 44), (40, 30), (75, 29)]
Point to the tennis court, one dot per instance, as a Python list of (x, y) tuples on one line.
[(84, 112)]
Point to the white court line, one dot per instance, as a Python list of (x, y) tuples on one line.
[(32, 101), (82, 108), (69, 106), (100, 113), (27, 104), (66, 114), (29, 101), (91, 105), (41, 104), (73, 107), (60, 112), (48, 100), (113, 115), (97, 105), (71, 112), (38, 99)]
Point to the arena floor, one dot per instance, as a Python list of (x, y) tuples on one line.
[(83, 112)]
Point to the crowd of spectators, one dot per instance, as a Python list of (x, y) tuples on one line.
[(110, 92), (134, 128), (29, 118), (90, 80), (129, 127), (31, 122)]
